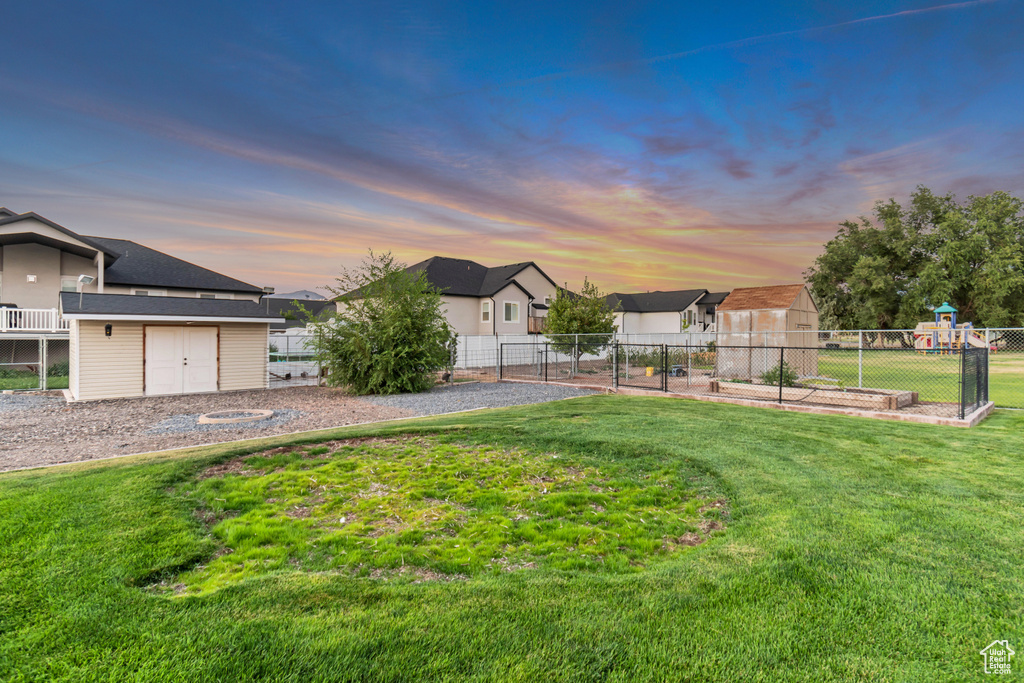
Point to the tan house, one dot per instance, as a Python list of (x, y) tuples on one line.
[(140, 322), (511, 299), (754, 322)]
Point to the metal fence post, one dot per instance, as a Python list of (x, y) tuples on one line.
[(860, 359), (501, 349), (782, 362), (688, 352), (963, 367), (615, 366), (42, 363), (664, 367), (546, 356)]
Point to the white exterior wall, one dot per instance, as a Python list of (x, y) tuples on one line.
[(107, 367), (662, 322), (243, 356)]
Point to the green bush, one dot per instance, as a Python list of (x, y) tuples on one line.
[(789, 376), (61, 369), (391, 336)]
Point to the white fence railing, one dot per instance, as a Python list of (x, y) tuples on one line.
[(32, 320)]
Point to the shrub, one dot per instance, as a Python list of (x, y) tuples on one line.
[(61, 369), (391, 335), (789, 376)]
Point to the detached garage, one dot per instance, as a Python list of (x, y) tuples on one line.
[(125, 346)]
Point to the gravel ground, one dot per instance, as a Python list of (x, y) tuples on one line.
[(45, 429), (450, 399)]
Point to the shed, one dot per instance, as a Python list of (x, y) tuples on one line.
[(125, 345), (767, 317)]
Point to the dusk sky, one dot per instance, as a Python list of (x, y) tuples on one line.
[(649, 146)]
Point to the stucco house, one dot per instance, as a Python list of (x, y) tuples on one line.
[(510, 299), (140, 322), (682, 310)]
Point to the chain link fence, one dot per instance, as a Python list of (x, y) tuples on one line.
[(884, 377), (291, 362), (34, 362)]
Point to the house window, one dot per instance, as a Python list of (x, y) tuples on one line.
[(547, 301), (69, 284), (149, 292), (213, 295), (485, 311), (511, 312)]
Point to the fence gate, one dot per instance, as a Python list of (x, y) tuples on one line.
[(643, 366), (33, 362)]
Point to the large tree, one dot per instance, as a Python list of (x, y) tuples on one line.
[(887, 273), (390, 335)]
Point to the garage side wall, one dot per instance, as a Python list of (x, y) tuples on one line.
[(243, 356), (108, 367)]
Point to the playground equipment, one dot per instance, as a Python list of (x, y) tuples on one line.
[(944, 335)]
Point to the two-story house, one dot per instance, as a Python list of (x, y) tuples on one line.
[(511, 299), (140, 322)]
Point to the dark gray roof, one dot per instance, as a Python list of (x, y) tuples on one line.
[(654, 302), (157, 306), (89, 241), (713, 298), (142, 266), (461, 277)]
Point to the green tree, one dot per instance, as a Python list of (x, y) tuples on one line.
[(390, 335), (586, 313), (887, 273)]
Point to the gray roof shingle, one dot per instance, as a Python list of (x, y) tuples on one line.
[(141, 266), (654, 302), (72, 304)]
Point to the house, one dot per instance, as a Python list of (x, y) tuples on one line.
[(510, 299), (139, 322), (755, 322), (682, 310)]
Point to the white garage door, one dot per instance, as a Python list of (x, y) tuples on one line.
[(180, 360)]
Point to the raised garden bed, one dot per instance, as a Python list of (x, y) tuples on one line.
[(868, 399)]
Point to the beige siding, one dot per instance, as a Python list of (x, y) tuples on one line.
[(186, 293), (108, 367), (243, 356)]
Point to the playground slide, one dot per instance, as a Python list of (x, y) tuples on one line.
[(975, 341)]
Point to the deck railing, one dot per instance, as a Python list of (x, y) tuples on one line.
[(31, 320)]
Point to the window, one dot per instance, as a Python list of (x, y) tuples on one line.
[(511, 312), (485, 311), (69, 284), (547, 301), (217, 295), (149, 292)]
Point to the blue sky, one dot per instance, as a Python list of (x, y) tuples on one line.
[(647, 145)]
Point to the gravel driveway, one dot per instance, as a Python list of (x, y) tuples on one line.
[(45, 429)]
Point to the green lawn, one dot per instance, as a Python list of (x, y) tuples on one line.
[(851, 550), (20, 381)]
